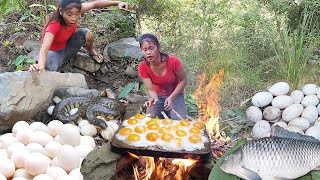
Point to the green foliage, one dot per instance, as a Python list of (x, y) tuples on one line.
[(44, 10), (127, 90), (191, 104), (216, 172), (22, 63), (294, 49), (7, 6)]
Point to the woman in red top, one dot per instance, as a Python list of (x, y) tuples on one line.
[(61, 40), (164, 78)]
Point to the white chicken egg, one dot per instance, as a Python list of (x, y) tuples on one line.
[(87, 140), (52, 148), (83, 150), (76, 172), (18, 157), (54, 127), (38, 126), (43, 177), (88, 130), (15, 146), (55, 171), (2, 177), (20, 125), (22, 173), (7, 167)]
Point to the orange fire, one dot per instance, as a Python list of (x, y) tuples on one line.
[(207, 96), (160, 170)]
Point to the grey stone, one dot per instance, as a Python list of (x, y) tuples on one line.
[(24, 94), (100, 163), (76, 91), (131, 72), (123, 48), (136, 98), (34, 54), (83, 61), (132, 109), (30, 45)]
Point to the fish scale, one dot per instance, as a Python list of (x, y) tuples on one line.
[(273, 158)]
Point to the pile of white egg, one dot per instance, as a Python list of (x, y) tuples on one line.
[(297, 111), (43, 152), (86, 128)]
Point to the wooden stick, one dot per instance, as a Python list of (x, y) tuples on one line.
[(164, 115), (179, 116)]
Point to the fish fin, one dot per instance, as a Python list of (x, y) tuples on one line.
[(268, 177), (278, 131), (248, 174)]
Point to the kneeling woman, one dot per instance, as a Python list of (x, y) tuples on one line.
[(164, 78), (61, 40)]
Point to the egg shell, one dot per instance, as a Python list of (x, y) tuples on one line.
[(281, 124), (317, 122), (18, 157), (83, 122), (52, 148), (68, 158), (3, 153), (271, 113), (297, 96), (76, 172), (279, 88), (88, 140), (40, 137), (22, 173), (107, 133), (24, 136), (50, 110), (55, 162), (7, 167), (291, 112), (310, 113), (67, 177), (309, 89), (313, 131), (7, 139), (43, 177), (20, 125), (261, 129), (282, 101), (55, 171), (310, 100), (301, 123), (2, 177), (254, 114), (38, 126), (54, 127), (36, 163), (69, 135), (35, 148), (15, 146), (262, 99), (88, 130), (114, 125)]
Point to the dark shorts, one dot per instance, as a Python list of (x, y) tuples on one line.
[(56, 58), (179, 106)]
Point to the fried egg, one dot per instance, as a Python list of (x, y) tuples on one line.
[(123, 133)]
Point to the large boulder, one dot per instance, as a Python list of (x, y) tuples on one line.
[(25, 94), (123, 48)]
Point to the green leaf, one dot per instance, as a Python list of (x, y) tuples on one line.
[(127, 90), (30, 61), (19, 67), (217, 173), (19, 60)]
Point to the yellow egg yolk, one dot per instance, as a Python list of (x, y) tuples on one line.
[(181, 133), (153, 120), (195, 130), (195, 139), (139, 116), (184, 122), (125, 131), (198, 125), (167, 137), (133, 138), (140, 129), (171, 128), (162, 130), (153, 126), (167, 121), (152, 136), (132, 121)]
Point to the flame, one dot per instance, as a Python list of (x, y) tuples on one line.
[(161, 169), (207, 96)]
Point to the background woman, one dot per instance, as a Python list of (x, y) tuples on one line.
[(164, 78), (61, 40)]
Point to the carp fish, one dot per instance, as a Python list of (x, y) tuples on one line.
[(284, 155)]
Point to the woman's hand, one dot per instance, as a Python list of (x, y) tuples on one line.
[(168, 103), (123, 6), (152, 101), (36, 67)]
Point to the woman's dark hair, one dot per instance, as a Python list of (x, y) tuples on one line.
[(152, 38), (63, 6)]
